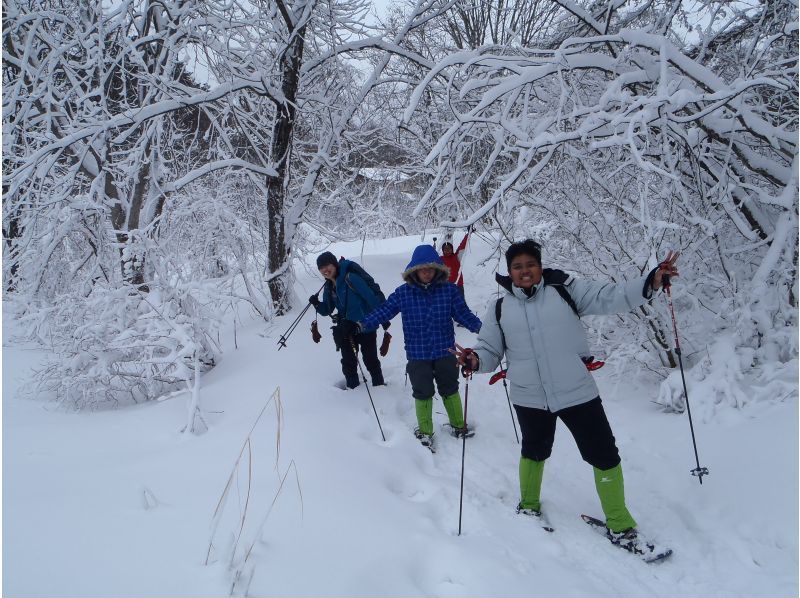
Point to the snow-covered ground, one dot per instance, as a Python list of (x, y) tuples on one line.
[(121, 504)]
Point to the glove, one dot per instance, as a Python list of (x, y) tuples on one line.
[(470, 363), (315, 335), (591, 363), (314, 300), (348, 328), (386, 325), (501, 375), (387, 338)]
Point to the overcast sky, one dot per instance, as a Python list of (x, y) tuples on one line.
[(381, 6)]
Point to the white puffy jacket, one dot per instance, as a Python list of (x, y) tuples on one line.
[(544, 340)]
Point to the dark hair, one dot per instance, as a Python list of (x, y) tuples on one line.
[(325, 259), (526, 247), (446, 244)]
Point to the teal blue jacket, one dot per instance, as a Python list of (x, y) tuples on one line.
[(351, 296)]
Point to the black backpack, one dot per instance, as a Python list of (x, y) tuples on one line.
[(374, 286), (558, 279)]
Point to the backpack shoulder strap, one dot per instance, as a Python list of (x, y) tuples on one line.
[(350, 284), (498, 311), (356, 269), (558, 279)]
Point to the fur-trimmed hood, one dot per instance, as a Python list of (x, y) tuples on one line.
[(425, 256)]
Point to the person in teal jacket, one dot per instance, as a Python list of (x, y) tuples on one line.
[(347, 292)]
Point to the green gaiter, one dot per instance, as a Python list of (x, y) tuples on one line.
[(530, 483), (452, 405), (611, 490), (424, 409)]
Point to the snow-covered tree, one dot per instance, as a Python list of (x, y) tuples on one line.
[(636, 134), (131, 126)]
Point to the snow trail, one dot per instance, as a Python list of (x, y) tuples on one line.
[(381, 518)]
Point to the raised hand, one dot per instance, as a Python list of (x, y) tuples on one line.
[(666, 270)]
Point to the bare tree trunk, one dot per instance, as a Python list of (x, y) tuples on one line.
[(11, 232), (278, 253), (133, 265), (136, 269)]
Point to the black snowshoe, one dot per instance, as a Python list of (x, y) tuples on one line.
[(631, 541), (425, 440), (537, 515), (459, 433)]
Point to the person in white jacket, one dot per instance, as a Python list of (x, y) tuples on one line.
[(544, 341)]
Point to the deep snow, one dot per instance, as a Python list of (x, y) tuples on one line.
[(120, 503)]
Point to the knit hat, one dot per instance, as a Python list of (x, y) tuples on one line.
[(325, 259)]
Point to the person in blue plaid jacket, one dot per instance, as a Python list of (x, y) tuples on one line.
[(429, 304)]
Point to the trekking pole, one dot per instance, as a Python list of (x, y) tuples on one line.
[(364, 376), (285, 336), (510, 410), (697, 471), (508, 398), (467, 374), (501, 375), (505, 386)]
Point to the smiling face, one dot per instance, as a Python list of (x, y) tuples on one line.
[(328, 271), (525, 271), (447, 249), (426, 275)]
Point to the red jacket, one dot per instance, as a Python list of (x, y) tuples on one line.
[(454, 263)]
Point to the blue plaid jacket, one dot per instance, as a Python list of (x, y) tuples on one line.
[(428, 315)]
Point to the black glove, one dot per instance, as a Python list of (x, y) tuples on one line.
[(386, 325), (348, 328), (314, 300)]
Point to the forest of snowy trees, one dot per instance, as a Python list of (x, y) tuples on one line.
[(166, 161)]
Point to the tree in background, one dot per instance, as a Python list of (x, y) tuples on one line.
[(149, 173), (628, 133)]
